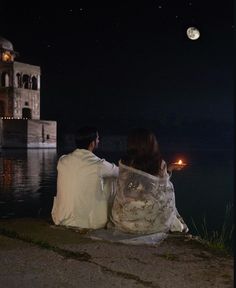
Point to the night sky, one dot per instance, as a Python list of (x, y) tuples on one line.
[(128, 63)]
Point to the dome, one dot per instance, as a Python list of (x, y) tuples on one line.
[(6, 44)]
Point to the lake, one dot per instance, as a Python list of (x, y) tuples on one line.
[(203, 188)]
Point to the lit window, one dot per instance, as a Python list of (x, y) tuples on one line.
[(6, 57)]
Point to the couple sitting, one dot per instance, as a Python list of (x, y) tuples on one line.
[(136, 197)]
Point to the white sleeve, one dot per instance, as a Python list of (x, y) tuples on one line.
[(107, 169)]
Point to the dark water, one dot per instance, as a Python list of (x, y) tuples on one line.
[(203, 189)]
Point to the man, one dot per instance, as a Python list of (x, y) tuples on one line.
[(84, 184)]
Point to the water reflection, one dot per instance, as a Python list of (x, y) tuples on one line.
[(203, 188), (26, 176)]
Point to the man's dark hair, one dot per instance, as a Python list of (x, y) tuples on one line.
[(84, 136)]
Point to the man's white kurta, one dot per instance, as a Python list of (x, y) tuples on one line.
[(84, 185)]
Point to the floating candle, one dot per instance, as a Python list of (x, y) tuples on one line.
[(180, 163)]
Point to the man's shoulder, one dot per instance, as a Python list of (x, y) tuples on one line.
[(66, 157), (63, 158), (100, 161), (84, 156)]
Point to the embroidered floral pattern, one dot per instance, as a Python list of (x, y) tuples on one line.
[(145, 203)]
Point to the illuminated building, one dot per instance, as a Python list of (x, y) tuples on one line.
[(20, 123)]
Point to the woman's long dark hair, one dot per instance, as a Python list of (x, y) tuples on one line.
[(143, 151)]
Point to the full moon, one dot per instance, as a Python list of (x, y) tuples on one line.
[(193, 33)]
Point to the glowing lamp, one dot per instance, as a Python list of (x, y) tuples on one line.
[(180, 163)]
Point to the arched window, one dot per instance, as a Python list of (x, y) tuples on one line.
[(34, 83), (5, 79), (2, 110), (26, 113), (18, 80), (6, 57), (26, 83)]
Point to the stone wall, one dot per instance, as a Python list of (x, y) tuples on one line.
[(42, 134), (20, 133), (14, 133)]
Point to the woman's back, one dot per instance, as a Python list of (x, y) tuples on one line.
[(145, 200), (144, 203)]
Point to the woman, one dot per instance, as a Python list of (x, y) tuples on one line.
[(145, 200)]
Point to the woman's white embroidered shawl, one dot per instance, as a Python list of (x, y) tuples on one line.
[(145, 203)]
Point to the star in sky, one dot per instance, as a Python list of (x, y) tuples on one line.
[(130, 53)]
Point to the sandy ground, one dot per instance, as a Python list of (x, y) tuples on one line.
[(34, 253)]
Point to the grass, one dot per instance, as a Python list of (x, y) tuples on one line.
[(217, 239)]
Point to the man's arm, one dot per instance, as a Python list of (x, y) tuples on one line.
[(108, 169)]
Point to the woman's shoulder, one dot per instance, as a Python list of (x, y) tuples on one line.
[(127, 169)]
